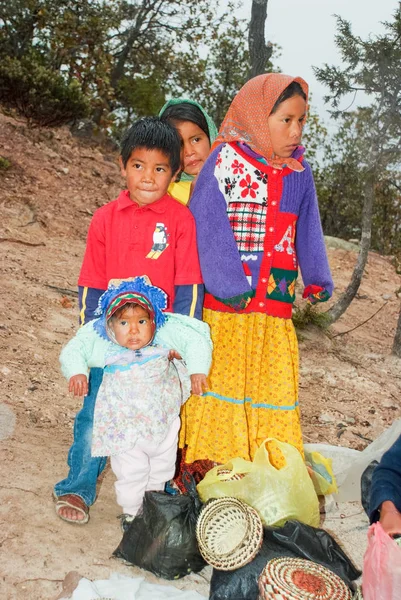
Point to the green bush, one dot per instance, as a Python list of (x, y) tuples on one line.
[(309, 315), (4, 163), (39, 94)]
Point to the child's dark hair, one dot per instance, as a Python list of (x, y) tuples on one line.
[(294, 89), (121, 309), (186, 112), (152, 133)]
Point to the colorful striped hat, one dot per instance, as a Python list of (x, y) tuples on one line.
[(135, 290)]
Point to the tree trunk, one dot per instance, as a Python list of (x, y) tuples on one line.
[(397, 339), (346, 297), (259, 51)]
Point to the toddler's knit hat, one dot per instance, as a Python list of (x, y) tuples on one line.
[(136, 290)]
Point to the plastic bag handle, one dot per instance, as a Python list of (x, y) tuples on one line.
[(287, 449)]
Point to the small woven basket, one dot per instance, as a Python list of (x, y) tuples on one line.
[(299, 579), (232, 476), (229, 533)]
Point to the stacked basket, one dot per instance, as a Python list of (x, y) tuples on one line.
[(229, 533), (300, 579)]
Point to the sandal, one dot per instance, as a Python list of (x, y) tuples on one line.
[(75, 502)]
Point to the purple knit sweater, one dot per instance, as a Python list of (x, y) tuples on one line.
[(222, 269)]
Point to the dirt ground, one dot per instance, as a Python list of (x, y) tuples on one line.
[(349, 385)]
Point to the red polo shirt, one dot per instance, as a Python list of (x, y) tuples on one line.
[(157, 240)]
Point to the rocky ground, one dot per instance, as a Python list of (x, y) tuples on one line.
[(349, 387)]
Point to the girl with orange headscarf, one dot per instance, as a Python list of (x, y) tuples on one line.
[(257, 218)]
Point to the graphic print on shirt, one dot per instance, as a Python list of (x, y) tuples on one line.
[(284, 271), (245, 190), (287, 243), (160, 236)]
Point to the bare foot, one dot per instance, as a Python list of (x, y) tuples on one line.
[(70, 514), (72, 508)]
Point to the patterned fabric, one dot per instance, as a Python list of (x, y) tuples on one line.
[(315, 294), (140, 396), (197, 469), (253, 390), (245, 190), (292, 203), (246, 119), (281, 285), (264, 235)]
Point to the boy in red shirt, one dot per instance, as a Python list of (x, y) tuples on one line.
[(143, 232)]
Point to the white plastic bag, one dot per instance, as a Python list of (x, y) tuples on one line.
[(348, 464)]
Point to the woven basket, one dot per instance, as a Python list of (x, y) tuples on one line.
[(232, 476), (229, 533), (299, 579)]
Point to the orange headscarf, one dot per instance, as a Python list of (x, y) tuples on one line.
[(246, 119)]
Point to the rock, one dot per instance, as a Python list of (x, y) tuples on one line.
[(389, 404), (334, 242), (7, 422), (65, 170), (387, 296), (326, 418), (330, 379), (70, 583), (350, 420), (5, 370)]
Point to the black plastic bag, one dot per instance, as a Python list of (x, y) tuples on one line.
[(162, 538), (294, 539), (366, 484)]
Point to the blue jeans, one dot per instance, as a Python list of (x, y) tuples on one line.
[(84, 468)]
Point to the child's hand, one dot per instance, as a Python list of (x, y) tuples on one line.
[(78, 385), (198, 384), (174, 354)]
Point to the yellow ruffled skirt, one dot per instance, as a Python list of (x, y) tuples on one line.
[(253, 390)]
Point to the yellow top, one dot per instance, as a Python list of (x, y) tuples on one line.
[(180, 191)]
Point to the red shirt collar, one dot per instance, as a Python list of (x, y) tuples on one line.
[(124, 201)]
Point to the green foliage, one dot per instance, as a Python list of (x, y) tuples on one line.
[(126, 56), (374, 67), (4, 163), (309, 315), (368, 141), (314, 137), (227, 67), (39, 94)]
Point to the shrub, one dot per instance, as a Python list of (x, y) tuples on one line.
[(4, 163), (39, 94), (309, 315)]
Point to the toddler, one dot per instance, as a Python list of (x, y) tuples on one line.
[(136, 419)]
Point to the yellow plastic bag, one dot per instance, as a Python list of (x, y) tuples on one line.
[(277, 494), (321, 472)]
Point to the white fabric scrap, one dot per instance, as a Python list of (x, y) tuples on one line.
[(121, 587)]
